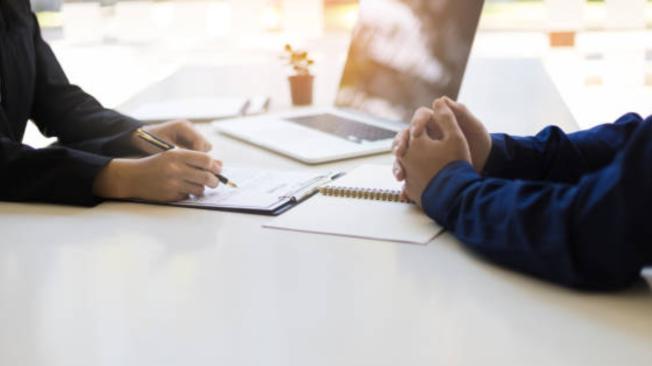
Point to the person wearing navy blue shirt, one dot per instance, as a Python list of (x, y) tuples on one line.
[(93, 158), (569, 208)]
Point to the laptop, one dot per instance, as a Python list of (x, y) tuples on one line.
[(403, 55)]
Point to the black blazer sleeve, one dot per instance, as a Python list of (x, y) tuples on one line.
[(89, 133), (78, 120), (52, 175)]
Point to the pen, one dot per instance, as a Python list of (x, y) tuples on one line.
[(155, 141)]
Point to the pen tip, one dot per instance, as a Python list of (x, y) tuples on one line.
[(232, 185)]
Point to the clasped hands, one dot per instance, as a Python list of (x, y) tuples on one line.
[(436, 137)]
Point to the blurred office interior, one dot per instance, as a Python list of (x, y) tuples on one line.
[(115, 48)]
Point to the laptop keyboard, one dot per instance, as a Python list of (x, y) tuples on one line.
[(345, 128)]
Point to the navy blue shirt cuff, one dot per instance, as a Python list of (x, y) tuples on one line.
[(498, 157), (443, 193)]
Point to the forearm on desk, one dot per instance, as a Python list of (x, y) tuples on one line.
[(51, 175), (588, 236), (554, 156)]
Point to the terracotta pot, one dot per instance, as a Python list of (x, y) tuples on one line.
[(301, 87)]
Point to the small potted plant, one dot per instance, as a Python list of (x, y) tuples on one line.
[(301, 80)]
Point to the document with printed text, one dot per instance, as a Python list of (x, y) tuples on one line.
[(260, 191)]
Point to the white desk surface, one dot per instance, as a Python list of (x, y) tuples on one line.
[(130, 284)]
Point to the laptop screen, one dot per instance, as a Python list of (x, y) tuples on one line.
[(406, 53)]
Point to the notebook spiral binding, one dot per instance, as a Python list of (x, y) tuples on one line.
[(366, 194)]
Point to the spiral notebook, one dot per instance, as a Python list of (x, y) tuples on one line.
[(364, 203)]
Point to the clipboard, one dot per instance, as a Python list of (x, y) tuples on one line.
[(260, 191)]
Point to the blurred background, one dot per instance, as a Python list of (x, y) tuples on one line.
[(599, 53)]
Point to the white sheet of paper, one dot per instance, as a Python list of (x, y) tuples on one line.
[(199, 108), (366, 219)]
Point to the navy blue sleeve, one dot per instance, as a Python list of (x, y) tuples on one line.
[(77, 119), (555, 156), (592, 234)]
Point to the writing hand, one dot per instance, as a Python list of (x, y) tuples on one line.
[(168, 176)]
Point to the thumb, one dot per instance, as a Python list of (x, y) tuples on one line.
[(446, 120)]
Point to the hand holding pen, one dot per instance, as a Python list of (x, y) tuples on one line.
[(164, 146), (166, 176)]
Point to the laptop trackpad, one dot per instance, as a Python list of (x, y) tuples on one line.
[(344, 128), (296, 140)]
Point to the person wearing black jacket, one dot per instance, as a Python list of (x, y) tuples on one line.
[(85, 166), (568, 208)]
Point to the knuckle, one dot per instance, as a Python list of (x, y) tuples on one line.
[(422, 113), (442, 110), (206, 162), (439, 104), (446, 116), (173, 168), (208, 178), (174, 155)]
